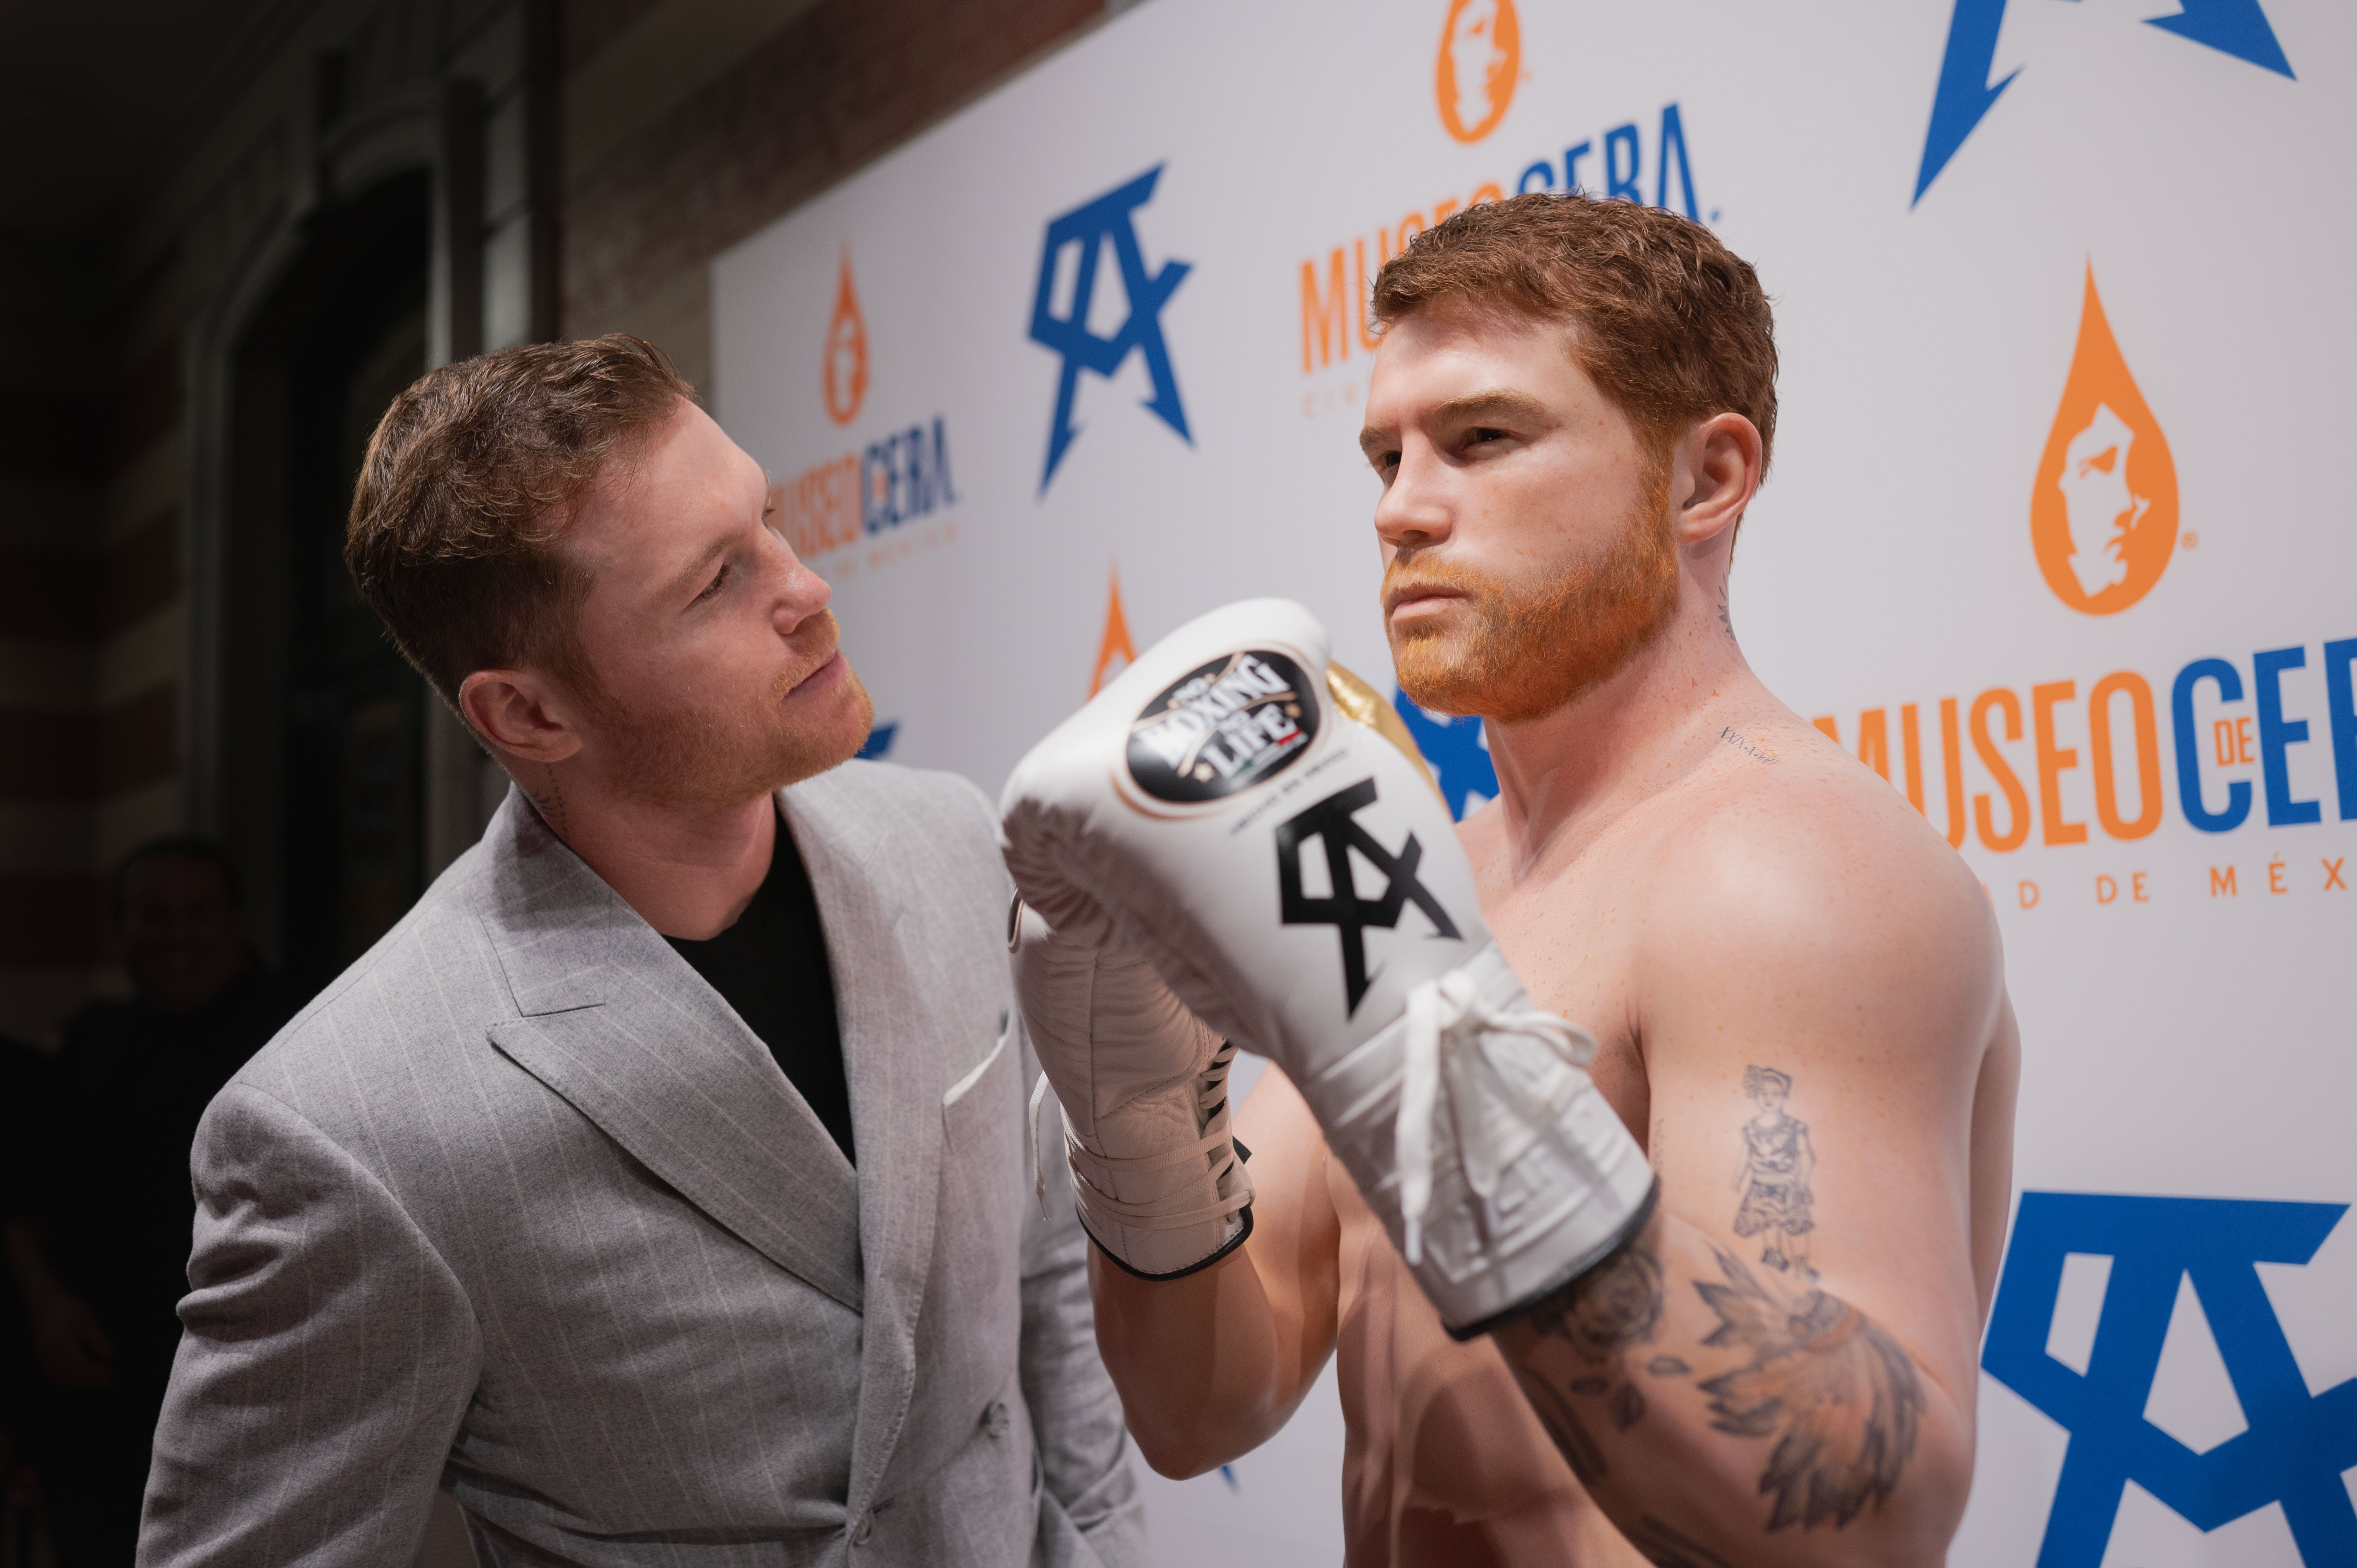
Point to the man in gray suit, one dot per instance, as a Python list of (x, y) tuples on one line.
[(657, 1186)]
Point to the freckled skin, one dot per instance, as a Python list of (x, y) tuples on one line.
[(1697, 875)]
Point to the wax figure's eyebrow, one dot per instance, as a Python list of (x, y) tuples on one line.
[(1496, 401), (1501, 401), (702, 563)]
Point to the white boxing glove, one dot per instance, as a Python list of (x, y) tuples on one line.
[(1143, 1088), (1289, 872)]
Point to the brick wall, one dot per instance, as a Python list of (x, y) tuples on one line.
[(685, 125), (92, 637), (691, 123)]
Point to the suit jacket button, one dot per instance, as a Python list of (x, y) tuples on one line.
[(866, 1528), (995, 1419)]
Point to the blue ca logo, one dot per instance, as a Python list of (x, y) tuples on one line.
[(2238, 28), (2294, 1446), (1453, 751), (1089, 228)]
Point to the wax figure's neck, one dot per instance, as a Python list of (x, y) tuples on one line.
[(1636, 734), (688, 871)]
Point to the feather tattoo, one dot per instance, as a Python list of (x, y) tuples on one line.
[(1838, 1395)]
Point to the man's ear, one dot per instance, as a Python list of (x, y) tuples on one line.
[(1715, 474), (520, 712)]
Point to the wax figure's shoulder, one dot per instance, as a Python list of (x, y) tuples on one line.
[(1801, 818), (1790, 865)]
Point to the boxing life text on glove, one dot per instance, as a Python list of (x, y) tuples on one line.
[(1288, 872), (1143, 1088)]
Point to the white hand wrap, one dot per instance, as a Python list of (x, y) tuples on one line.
[(1292, 876), (1143, 1087)]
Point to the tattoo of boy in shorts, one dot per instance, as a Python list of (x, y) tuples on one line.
[(1777, 1162)]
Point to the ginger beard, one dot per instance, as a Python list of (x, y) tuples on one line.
[(735, 746), (1525, 652)]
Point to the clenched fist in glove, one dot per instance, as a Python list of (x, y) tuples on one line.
[(1143, 1088), (1288, 872)]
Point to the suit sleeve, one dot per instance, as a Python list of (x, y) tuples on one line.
[(327, 1357), (1083, 1441)]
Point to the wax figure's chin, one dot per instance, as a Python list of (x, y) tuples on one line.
[(725, 752), (1513, 652)]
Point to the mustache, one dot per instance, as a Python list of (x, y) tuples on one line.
[(828, 634), (1405, 579)]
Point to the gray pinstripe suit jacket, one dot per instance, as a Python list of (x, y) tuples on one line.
[(519, 1206)]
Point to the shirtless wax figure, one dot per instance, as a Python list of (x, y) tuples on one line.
[(1739, 1265)]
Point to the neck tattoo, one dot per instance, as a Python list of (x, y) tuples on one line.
[(550, 805)]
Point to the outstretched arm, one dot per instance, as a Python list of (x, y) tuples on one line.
[(1211, 1365), (1723, 1401)]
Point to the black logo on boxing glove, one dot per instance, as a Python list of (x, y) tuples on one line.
[(1225, 727), (1331, 820)]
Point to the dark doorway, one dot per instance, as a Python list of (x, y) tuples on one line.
[(325, 790)]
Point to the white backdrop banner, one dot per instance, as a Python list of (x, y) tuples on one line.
[(2058, 542)]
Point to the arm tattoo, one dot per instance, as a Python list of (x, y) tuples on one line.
[(1839, 1394), (1839, 1398), (1609, 1308), (1777, 1162), (1563, 1424), (1601, 1315)]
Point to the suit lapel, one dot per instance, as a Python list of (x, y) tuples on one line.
[(616, 1023), (892, 1054)]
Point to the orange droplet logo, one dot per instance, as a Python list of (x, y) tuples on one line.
[(1480, 59), (846, 352), (1114, 653), (2104, 514)]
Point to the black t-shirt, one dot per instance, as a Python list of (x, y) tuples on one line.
[(771, 966)]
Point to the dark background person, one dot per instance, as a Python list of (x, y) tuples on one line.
[(100, 1201)]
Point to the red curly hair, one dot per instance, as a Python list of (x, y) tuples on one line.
[(1669, 323)]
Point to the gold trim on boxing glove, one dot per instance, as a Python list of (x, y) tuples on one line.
[(1354, 699)]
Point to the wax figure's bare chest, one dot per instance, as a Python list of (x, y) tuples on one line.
[(1446, 1464), (1576, 935)]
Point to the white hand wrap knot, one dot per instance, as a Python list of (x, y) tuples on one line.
[(1447, 1011)]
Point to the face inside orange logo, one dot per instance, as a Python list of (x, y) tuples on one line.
[(846, 352), (1480, 59), (2104, 514)]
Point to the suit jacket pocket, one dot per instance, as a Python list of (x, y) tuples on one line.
[(972, 1104)]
